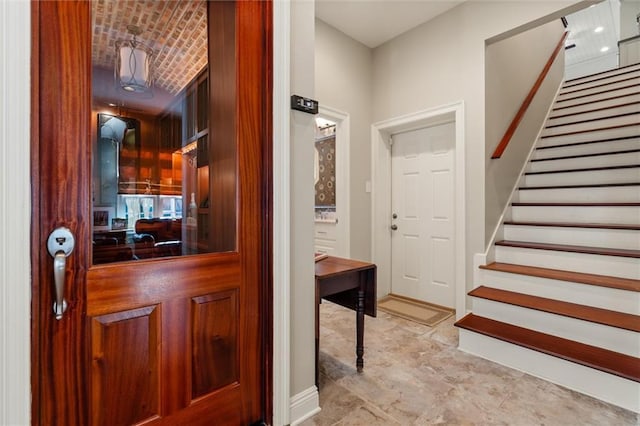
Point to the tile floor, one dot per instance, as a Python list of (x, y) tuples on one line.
[(414, 375)]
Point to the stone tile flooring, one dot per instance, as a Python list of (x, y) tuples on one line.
[(414, 375)]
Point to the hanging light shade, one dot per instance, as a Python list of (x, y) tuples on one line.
[(134, 67)]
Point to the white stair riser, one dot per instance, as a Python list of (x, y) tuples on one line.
[(591, 125), (615, 266), (609, 238), (589, 295), (577, 100), (591, 136), (608, 160), (606, 387), (589, 106), (623, 84), (592, 115), (590, 80), (588, 148), (603, 336), (627, 215), (628, 194), (584, 178)]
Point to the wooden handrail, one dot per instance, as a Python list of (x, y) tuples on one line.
[(527, 101)]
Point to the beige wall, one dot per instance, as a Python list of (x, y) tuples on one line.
[(302, 201), (512, 66), (343, 82), (442, 61)]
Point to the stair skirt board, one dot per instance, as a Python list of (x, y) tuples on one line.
[(623, 267), (590, 333), (606, 387), (593, 194), (588, 295), (609, 238)]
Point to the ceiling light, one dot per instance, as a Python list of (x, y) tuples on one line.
[(604, 49), (598, 30), (134, 63)]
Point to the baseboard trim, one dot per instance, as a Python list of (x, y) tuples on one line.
[(304, 405)]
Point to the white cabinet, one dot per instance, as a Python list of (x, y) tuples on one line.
[(325, 237)]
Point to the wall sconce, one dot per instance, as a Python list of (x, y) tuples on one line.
[(134, 67)]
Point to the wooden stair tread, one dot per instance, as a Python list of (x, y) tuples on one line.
[(572, 310), (595, 154), (567, 92), (623, 95), (576, 204), (625, 104), (628, 86), (560, 275), (577, 225), (592, 185), (611, 362), (613, 72), (591, 120), (585, 169), (562, 145), (604, 251), (598, 129)]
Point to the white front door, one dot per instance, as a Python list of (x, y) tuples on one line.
[(422, 209)]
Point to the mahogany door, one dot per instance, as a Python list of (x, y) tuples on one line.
[(180, 338)]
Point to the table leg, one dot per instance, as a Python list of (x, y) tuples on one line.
[(360, 331)]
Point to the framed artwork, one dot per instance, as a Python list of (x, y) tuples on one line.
[(102, 218)]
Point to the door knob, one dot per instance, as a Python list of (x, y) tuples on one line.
[(394, 227), (60, 245)]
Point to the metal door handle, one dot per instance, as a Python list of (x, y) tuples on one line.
[(394, 227), (60, 245), (59, 269)]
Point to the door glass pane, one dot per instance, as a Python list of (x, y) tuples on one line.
[(159, 186)]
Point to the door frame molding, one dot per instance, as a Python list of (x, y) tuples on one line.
[(343, 148), (381, 191), (281, 213), (15, 248)]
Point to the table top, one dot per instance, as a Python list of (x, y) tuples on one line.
[(331, 265)]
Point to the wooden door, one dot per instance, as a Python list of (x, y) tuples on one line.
[(423, 194), (172, 340)]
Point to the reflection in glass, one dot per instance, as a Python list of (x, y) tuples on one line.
[(154, 177)]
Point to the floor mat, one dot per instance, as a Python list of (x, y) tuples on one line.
[(414, 310)]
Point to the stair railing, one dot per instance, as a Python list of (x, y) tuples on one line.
[(527, 101)]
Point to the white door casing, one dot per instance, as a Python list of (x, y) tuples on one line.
[(381, 192), (422, 202), (340, 236)]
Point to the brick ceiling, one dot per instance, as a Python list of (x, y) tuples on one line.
[(175, 30)]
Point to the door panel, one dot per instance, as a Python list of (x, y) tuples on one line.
[(164, 340), (422, 198)]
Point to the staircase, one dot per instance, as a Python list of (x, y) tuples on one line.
[(561, 301)]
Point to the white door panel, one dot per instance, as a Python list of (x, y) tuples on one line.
[(423, 201)]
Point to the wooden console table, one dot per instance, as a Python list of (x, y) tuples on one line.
[(352, 284)]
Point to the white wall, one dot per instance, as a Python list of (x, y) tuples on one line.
[(512, 67), (343, 82), (15, 213), (442, 61), (302, 201), (629, 9)]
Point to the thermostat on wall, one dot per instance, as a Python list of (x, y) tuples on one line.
[(304, 104)]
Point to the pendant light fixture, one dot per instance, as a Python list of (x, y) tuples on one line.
[(134, 66)]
